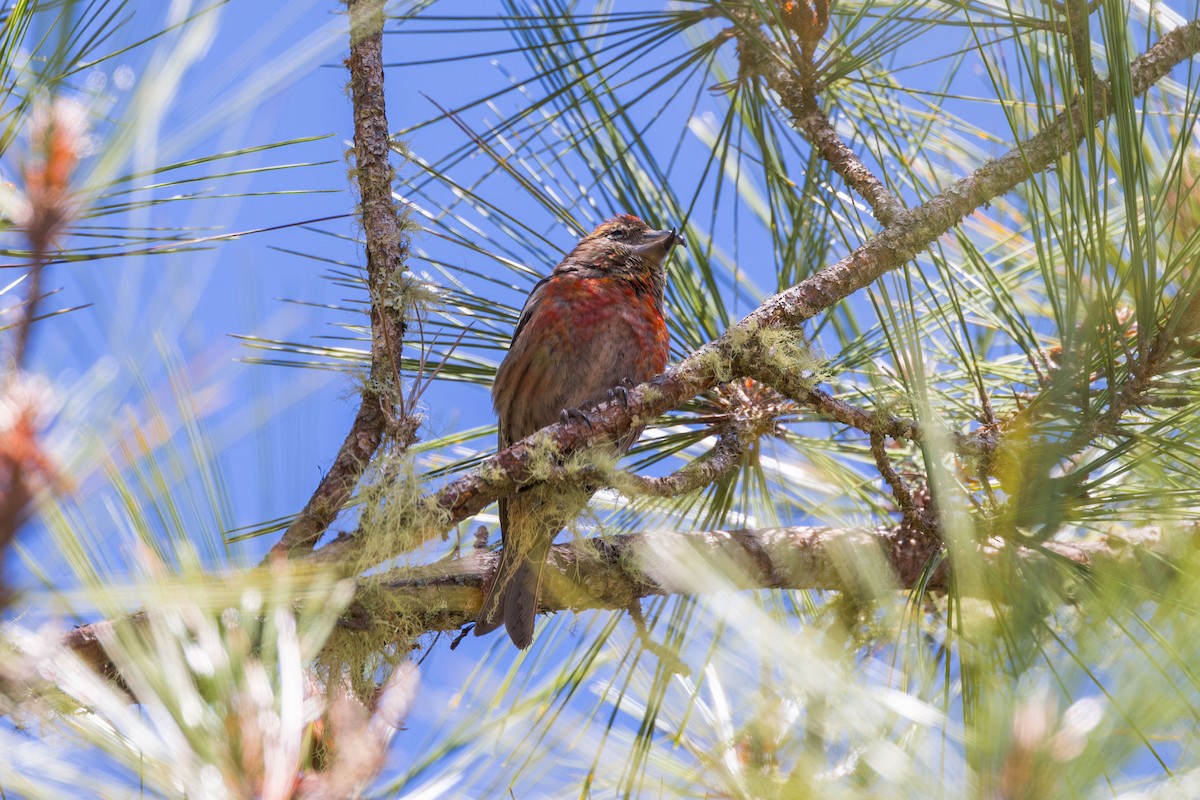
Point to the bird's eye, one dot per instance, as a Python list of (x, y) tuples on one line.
[(617, 234)]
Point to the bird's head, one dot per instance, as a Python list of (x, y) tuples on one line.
[(623, 245)]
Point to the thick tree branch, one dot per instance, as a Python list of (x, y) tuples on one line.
[(614, 572), (386, 252), (912, 232)]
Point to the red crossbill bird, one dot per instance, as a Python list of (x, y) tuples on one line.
[(594, 325)]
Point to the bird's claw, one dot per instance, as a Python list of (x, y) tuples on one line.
[(569, 415), (621, 391)]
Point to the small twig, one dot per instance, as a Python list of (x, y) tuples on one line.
[(884, 464), (1130, 394), (462, 634), (667, 658), (34, 296), (1065, 455), (724, 457), (57, 131), (1077, 13), (820, 132), (1055, 25), (1142, 371), (1091, 7), (799, 390), (837, 410), (914, 513)]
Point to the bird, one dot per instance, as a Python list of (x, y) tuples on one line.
[(590, 328)]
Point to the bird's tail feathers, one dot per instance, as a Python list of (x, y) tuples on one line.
[(512, 599)]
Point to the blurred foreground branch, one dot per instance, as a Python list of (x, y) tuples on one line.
[(614, 572), (58, 134)]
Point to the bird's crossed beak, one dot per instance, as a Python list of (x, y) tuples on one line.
[(656, 244)]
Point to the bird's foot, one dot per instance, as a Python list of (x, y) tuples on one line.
[(569, 415)]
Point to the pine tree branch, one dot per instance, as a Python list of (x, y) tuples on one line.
[(911, 233), (718, 462), (796, 386), (797, 92), (900, 491), (1076, 33), (1049, 478), (614, 572), (819, 131), (387, 249)]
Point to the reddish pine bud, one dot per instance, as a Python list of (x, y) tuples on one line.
[(57, 137), (24, 414), (808, 19)]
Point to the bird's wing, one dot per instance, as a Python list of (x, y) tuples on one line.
[(504, 435), (527, 310)]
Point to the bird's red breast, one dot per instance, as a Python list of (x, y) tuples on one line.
[(582, 336)]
